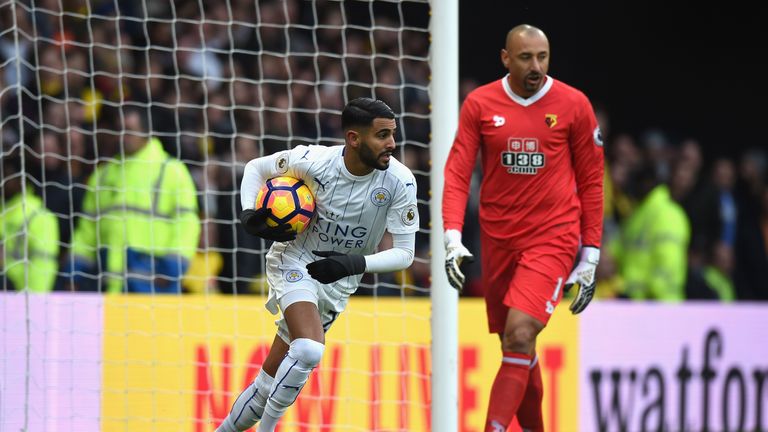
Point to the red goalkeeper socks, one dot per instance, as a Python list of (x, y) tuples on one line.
[(507, 391), (529, 414)]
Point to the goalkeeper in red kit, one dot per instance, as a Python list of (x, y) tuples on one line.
[(540, 208)]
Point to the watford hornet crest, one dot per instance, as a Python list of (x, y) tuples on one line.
[(550, 120)]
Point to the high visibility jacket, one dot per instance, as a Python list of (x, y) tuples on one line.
[(652, 249), (29, 233), (146, 203), (720, 283)]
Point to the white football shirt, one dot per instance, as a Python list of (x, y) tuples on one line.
[(352, 211)]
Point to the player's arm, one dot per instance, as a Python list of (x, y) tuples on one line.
[(587, 159), (259, 170), (256, 173), (459, 166), (335, 265), (399, 257), (458, 175)]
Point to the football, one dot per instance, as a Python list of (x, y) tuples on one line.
[(290, 200)]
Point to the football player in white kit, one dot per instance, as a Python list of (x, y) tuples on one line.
[(360, 190)]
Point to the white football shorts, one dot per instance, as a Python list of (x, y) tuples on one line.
[(290, 283)]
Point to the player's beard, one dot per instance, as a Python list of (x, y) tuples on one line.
[(371, 159), (533, 87)]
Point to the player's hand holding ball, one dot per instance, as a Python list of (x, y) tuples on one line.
[(255, 223), (284, 207)]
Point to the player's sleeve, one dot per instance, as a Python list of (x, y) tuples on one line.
[(587, 153), (459, 166), (399, 257), (403, 214), (259, 170)]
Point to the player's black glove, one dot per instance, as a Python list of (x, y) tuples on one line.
[(583, 278), (334, 266), (255, 223)]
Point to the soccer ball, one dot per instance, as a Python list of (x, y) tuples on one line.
[(290, 200)]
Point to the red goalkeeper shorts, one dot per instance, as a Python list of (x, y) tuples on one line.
[(530, 280)]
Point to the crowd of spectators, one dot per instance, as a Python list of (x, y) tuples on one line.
[(225, 82), (220, 90)]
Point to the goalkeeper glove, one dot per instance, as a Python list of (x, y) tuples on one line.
[(334, 266), (455, 253), (255, 223), (583, 278)]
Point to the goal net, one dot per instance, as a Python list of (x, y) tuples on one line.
[(215, 83)]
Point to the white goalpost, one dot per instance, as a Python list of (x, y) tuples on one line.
[(444, 96), (219, 83)]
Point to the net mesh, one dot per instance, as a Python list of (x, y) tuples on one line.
[(219, 83)]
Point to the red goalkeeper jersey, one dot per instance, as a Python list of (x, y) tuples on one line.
[(542, 161)]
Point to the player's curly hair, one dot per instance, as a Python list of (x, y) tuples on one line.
[(360, 112)]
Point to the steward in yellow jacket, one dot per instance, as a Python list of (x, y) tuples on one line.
[(29, 235), (140, 226), (652, 248)]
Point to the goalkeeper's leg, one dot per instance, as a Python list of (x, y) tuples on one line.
[(529, 412)]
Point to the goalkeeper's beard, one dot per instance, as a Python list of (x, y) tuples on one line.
[(369, 158)]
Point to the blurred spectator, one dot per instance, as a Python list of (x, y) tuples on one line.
[(29, 235), (140, 217), (714, 281), (690, 153), (724, 180), (198, 59), (58, 173), (622, 161), (651, 250), (205, 265), (12, 48), (658, 152), (712, 211), (751, 274), (684, 181)]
